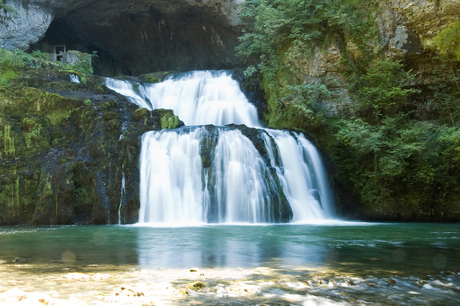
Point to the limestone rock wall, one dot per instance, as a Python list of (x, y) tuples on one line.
[(31, 19)]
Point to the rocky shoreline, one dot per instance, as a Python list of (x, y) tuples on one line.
[(224, 286)]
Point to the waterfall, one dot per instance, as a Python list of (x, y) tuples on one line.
[(198, 98), (222, 174), (122, 195), (241, 181), (170, 166), (74, 78), (302, 175), (236, 187)]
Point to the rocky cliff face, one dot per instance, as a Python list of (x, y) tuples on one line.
[(404, 26), (30, 20)]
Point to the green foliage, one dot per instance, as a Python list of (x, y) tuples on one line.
[(381, 87), (8, 141), (300, 25), (448, 41), (6, 7), (81, 197), (451, 139), (6, 76), (445, 97), (40, 55), (33, 136), (9, 63), (399, 164), (281, 34), (10, 59), (48, 190), (305, 101), (12, 62)]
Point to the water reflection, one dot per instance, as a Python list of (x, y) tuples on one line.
[(359, 249), (224, 247)]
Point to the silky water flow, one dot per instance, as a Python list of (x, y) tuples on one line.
[(209, 172)]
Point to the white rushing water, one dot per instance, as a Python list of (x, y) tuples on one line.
[(199, 175), (235, 188), (74, 78), (303, 177), (198, 98), (171, 169), (122, 195)]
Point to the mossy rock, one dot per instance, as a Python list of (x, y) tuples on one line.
[(167, 119), (155, 77), (17, 194), (36, 101), (114, 125), (141, 114), (169, 122), (108, 116), (197, 286)]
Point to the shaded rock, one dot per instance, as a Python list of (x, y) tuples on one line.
[(19, 260), (391, 282), (141, 114)]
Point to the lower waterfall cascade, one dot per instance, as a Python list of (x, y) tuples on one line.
[(222, 167)]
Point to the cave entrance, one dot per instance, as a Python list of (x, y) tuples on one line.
[(146, 37)]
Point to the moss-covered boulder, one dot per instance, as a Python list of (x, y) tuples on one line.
[(166, 119)]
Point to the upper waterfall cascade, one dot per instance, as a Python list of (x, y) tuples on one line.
[(222, 174), (197, 98)]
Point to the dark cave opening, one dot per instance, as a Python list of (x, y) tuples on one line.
[(144, 40)]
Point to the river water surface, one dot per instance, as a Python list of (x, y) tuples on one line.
[(298, 264)]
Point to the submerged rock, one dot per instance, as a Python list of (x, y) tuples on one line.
[(391, 282), (19, 260)]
